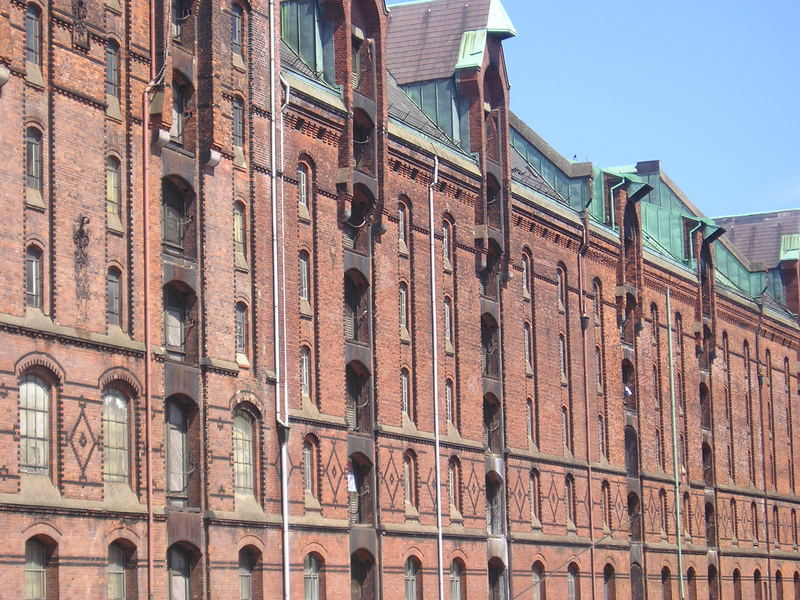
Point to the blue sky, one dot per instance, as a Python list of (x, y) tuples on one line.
[(709, 87)]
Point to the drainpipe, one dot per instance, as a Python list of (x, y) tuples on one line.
[(156, 78), (435, 342), (584, 343), (675, 466), (281, 418), (759, 379), (611, 204)]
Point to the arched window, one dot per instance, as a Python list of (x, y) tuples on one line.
[(448, 322), (405, 393), (776, 524), (239, 232), (312, 577), (562, 357), (179, 564), (450, 404), (34, 425), (631, 452), (536, 498), (597, 305), (33, 277), (33, 36), (310, 452), (573, 582), (605, 504), (561, 290), (526, 276), (634, 517), (112, 70), (454, 485), (569, 501), (659, 450), (243, 454), (601, 437), (447, 242), (691, 583), (609, 583), (305, 371), (113, 187), (116, 436), (711, 526), (757, 585), (413, 579), (249, 587), (656, 388), (121, 576), (492, 424), (302, 189), (598, 369), (403, 306), (490, 357), (176, 218), (177, 452), (664, 512), (304, 281), (457, 583), (402, 227), (527, 349), (565, 432), (666, 584), (356, 309), (41, 566), (529, 418), (242, 328), (237, 32), (175, 322), (538, 586), (778, 585), (410, 479), (734, 520), (238, 122), (33, 160), (737, 585)]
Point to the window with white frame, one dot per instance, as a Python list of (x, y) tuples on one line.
[(312, 568), (34, 429), (35, 570), (405, 399), (33, 277), (116, 440), (243, 467)]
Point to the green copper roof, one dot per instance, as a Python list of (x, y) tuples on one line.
[(790, 247), (499, 22), (470, 53)]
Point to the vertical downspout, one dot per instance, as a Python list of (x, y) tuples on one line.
[(435, 342), (148, 400), (675, 466), (584, 327), (282, 420), (759, 379)]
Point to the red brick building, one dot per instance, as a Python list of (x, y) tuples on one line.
[(294, 306)]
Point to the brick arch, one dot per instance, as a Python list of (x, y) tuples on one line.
[(42, 528), (125, 534), (120, 374), (414, 551), (39, 359), (253, 541), (246, 397), (316, 548)]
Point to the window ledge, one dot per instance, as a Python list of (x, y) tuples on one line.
[(240, 262), (526, 295), (402, 248), (114, 225), (302, 212), (242, 360), (305, 308), (412, 514), (34, 199), (33, 74), (311, 503), (448, 267), (238, 62), (528, 370), (114, 5), (448, 348), (404, 337), (455, 516), (112, 108), (238, 157)]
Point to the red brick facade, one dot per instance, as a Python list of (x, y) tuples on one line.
[(535, 439)]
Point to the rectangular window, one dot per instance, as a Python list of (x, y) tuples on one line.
[(33, 156), (404, 403), (302, 186), (35, 562), (116, 572), (243, 452), (403, 307), (303, 281), (112, 186), (308, 462), (448, 324), (241, 328), (34, 417), (305, 371), (33, 32), (177, 455), (238, 122), (112, 70), (113, 298), (174, 321), (33, 277), (238, 230), (448, 402), (237, 22), (115, 436)]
